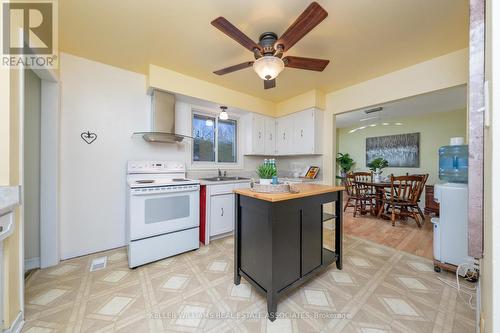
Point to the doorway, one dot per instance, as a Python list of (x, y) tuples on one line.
[(407, 134), (31, 174)]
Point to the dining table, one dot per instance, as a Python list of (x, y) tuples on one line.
[(379, 192)]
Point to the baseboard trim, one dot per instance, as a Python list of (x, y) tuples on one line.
[(31, 263), (17, 325)]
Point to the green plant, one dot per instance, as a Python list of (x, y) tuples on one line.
[(345, 162), (378, 163), (266, 171)]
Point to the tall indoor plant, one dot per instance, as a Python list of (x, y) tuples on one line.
[(345, 163), (376, 166)]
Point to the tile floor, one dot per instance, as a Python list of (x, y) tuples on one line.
[(379, 290)]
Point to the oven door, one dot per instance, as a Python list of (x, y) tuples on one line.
[(156, 211)]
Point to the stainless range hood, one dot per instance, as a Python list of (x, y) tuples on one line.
[(162, 120)]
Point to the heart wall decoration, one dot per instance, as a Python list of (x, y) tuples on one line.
[(88, 137)]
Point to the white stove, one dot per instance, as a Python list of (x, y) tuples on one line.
[(162, 211)]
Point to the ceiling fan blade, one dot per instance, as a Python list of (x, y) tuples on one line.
[(311, 64), (311, 17), (229, 29), (234, 68), (268, 84)]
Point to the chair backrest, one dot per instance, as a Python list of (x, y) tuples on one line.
[(349, 183), (424, 177), (406, 188), (366, 177)]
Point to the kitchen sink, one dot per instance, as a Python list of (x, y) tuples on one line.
[(224, 178)]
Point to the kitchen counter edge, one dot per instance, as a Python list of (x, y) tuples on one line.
[(305, 190)]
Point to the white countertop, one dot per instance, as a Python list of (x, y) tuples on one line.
[(9, 198), (215, 182)]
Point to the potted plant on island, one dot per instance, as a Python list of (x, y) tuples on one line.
[(346, 163), (266, 172), (376, 167)]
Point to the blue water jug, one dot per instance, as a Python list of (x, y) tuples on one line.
[(454, 163)]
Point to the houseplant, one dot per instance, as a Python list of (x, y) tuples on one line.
[(345, 163), (266, 172), (376, 166)]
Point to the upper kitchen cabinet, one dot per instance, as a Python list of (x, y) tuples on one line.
[(284, 135), (307, 132), (258, 140), (270, 139), (295, 134)]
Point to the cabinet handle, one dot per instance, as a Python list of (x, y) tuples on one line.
[(259, 135), (270, 136), (283, 135), (222, 212), (301, 133)]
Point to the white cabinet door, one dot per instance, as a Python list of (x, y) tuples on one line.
[(221, 214), (270, 140), (303, 132), (284, 138), (258, 131)]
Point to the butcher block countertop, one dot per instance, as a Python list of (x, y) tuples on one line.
[(304, 190)]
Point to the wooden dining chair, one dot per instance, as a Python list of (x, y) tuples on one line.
[(365, 177), (364, 194), (349, 189), (403, 198), (424, 177)]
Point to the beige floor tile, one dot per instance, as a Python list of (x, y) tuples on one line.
[(379, 290)]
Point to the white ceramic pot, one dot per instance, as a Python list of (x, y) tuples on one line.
[(263, 181)]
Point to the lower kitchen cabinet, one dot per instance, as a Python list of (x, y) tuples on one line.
[(217, 218), (221, 214)]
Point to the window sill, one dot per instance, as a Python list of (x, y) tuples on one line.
[(200, 166)]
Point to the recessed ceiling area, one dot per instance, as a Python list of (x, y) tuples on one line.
[(362, 39), (437, 101)]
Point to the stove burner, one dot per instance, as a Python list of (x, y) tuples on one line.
[(180, 179), (144, 181)]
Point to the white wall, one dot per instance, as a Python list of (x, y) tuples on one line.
[(112, 103)]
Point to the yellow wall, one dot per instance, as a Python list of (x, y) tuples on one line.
[(312, 98), (169, 80), (12, 244), (443, 72), (4, 126), (435, 130), (489, 271)]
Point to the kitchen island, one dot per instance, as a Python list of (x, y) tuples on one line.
[(279, 238)]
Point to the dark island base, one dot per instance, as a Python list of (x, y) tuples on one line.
[(279, 245)]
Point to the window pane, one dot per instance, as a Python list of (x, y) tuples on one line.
[(226, 141), (204, 138)]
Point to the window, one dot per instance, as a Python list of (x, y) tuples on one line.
[(215, 140)]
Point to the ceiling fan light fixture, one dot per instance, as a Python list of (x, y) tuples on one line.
[(268, 67)]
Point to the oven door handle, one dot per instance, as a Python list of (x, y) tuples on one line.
[(163, 192)]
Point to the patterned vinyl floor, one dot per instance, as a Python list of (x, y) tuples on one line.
[(379, 290)]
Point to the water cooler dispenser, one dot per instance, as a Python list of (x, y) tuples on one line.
[(450, 229)]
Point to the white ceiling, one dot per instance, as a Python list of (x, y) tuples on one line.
[(438, 101)]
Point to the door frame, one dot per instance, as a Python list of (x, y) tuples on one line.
[(49, 165)]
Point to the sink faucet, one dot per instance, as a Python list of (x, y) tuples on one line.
[(219, 172)]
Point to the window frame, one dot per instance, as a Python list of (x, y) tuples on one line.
[(201, 165)]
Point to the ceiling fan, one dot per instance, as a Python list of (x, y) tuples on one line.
[(268, 53)]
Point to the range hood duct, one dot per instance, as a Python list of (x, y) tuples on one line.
[(162, 119)]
